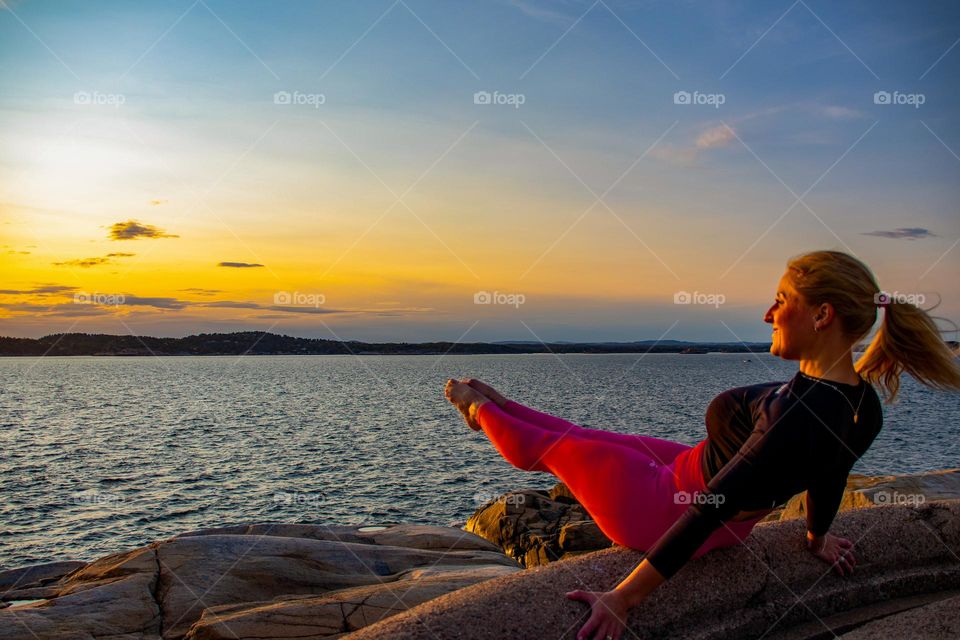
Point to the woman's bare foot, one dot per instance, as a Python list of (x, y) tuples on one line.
[(467, 400), (487, 390)]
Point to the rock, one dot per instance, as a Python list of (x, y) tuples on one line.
[(35, 576), (334, 613), (769, 586), (869, 491), (939, 620), (256, 581), (113, 596), (537, 527)]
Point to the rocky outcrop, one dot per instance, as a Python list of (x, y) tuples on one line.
[(537, 527), (871, 491), (252, 581), (769, 586)]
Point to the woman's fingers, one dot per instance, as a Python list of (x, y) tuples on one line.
[(588, 628)]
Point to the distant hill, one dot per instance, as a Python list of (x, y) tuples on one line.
[(261, 343)]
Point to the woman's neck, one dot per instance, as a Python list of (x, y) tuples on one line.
[(831, 366)]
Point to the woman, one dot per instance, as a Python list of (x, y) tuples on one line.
[(765, 443)]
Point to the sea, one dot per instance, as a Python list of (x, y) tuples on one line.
[(104, 454)]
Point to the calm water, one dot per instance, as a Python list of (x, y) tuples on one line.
[(102, 454)]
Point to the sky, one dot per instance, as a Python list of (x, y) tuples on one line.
[(413, 170)]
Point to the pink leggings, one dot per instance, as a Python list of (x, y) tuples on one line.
[(627, 483)]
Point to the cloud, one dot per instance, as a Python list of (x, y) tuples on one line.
[(131, 230), (838, 112), (42, 290), (903, 233), (158, 303), (66, 309), (715, 137), (540, 13), (239, 265), (202, 292), (86, 263)]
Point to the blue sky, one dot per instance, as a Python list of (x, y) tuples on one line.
[(596, 199)]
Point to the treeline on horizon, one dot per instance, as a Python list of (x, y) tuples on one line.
[(261, 343)]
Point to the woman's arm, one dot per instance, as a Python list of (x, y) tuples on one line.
[(638, 585)]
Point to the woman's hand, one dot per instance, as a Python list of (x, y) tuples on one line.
[(608, 615), (834, 550)]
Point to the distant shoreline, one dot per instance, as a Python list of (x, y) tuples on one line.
[(261, 343)]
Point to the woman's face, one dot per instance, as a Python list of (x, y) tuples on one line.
[(792, 320)]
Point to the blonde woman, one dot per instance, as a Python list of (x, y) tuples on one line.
[(765, 443)]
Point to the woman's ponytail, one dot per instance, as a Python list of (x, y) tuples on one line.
[(908, 340)]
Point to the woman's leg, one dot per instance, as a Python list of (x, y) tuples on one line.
[(626, 491), (663, 451)]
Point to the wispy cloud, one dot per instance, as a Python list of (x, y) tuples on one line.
[(131, 230), (903, 233), (239, 265), (86, 263), (42, 290), (715, 137), (197, 291), (534, 10)]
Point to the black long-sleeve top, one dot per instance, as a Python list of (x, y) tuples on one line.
[(767, 443)]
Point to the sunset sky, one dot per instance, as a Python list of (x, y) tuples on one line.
[(328, 169)]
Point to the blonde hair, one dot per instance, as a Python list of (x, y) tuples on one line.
[(907, 340)]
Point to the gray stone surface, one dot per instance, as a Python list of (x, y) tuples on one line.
[(767, 585), (936, 621), (255, 581)]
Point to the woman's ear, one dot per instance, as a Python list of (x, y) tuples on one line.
[(825, 314)]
